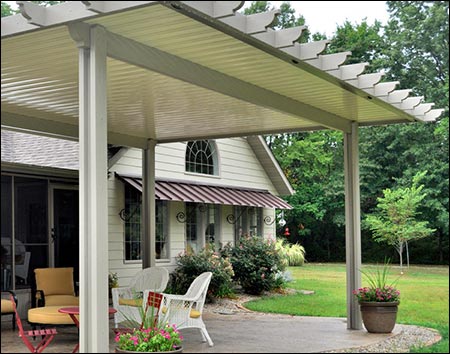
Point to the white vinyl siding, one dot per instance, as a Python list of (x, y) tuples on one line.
[(237, 167)]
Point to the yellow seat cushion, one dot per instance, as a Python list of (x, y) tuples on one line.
[(192, 314), (55, 281), (130, 302), (7, 306), (49, 315), (61, 300)]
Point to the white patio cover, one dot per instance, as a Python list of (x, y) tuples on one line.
[(138, 73)]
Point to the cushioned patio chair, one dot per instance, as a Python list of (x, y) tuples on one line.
[(128, 300), (46, 334), (55, 287), (185, 311), (7, 306)]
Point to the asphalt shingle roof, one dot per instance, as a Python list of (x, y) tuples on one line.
[(36, 150)]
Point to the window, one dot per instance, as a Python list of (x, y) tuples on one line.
[(133, 202), (161, 245), (132, 216), (191, 226), (201, 157), (248, 222), (202, 219)]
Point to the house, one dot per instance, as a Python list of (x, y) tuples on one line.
[(206, 191)]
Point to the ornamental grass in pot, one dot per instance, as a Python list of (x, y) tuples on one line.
[(379, 301)]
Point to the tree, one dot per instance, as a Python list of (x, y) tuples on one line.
[(395, 223)]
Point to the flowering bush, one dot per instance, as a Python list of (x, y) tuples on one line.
[(191, 264), (157, 339), (378, 290), (257, 264)]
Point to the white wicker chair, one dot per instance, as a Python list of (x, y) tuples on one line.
[(185, 311), (125, 298)]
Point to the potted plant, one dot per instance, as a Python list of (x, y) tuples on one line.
[(157, 339), (153, 335), (379, 301)]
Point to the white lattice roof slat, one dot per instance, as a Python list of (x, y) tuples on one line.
[(280, 38), (421, 109), (349, 72), (411, 102), (251, 23), (398, 96), (366, 81), (217, 9), (433, 114), (303, 51), (382, 88), (329, 61)]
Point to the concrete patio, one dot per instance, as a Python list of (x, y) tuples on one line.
[(238, 333)]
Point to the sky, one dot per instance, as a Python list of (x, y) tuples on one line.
[(324, 16)]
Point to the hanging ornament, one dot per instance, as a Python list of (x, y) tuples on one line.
[(286, 232)]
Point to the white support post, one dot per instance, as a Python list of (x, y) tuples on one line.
[(148, 234), (94, 319), (352, 225)]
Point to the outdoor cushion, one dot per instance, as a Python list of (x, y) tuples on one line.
[(61, 300), (130, 302), (55, 281), (192, 314), (49, 315), (7, 306)]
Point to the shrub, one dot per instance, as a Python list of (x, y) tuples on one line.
[(291, 254), (191, 265), (282, 249), (257, 264), (296, 255)]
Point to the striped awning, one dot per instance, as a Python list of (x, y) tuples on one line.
[(210, 194)]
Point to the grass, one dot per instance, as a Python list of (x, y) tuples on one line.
[(424, 296)]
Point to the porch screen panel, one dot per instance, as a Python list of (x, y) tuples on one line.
[(6, 227), (31, 225)]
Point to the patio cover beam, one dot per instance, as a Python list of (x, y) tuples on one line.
[(63, 130), (153, 59)]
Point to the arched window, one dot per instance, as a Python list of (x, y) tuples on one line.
[(201, 157)]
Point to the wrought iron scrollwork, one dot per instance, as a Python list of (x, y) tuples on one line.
[(268, 220), (231, 218), (127, 216), (183, 217)]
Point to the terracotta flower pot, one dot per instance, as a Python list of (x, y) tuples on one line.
[(379, 317)]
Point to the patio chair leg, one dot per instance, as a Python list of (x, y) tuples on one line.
[(206, 336)]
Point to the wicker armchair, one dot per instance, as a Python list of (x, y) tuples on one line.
[(185, 311), (128, 300)]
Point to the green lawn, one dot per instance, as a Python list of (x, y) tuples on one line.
[(424, 296)]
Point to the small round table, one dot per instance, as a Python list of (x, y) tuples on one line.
[(73, 312)]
